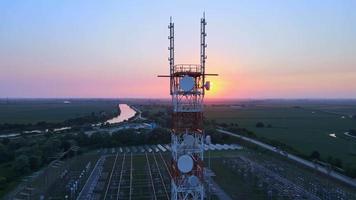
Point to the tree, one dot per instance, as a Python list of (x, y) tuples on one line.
[(34, 162), (224, 125), (66, 144), (16, 144), (22, 164)]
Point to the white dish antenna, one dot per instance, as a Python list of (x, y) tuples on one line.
[(188, 140), (193, 181), (187, 83), (185, 163), (207, 85), (208, 139)]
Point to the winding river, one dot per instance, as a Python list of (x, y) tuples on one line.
[(126, 113)]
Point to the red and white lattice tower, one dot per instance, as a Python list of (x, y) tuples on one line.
[(187, 88)]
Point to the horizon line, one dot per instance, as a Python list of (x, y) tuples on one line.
[(168, 98)]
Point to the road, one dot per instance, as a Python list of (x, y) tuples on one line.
[(139, 116), (302, 161)]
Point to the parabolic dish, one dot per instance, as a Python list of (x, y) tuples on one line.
[(186, 83), (208, 139), (193, 181), (189, 140), (185, 163)]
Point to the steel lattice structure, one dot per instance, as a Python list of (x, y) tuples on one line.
[(187, 89)]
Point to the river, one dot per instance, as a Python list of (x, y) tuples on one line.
[(126, 113)]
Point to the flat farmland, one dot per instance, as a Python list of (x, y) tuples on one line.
[(304, 128), (53, 110), (248, 174)]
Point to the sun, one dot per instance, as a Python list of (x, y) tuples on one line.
[(215, 87)]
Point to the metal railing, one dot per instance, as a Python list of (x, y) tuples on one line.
[(187, 68)]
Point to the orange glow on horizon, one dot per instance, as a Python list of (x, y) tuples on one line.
[(218, 87)]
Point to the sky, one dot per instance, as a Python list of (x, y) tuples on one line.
[(116, 49)]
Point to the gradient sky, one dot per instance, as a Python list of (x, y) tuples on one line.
[(261, 49)]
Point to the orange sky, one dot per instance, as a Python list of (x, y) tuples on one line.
[(288, 49)]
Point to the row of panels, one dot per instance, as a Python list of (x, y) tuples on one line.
[(164, 148)]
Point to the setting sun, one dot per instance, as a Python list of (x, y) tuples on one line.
[(218, 87)]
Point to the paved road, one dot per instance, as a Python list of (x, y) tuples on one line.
[(139, 116), (302, 161)]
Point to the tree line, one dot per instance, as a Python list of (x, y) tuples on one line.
[(24, 155)]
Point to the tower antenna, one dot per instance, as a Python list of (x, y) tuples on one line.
[(187, 89)]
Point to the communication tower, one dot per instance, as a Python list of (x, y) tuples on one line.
[(187, 88)]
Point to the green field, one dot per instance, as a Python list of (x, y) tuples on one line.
[(52, 110), (241, 183), (305, 128)]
